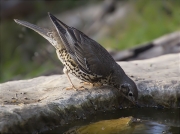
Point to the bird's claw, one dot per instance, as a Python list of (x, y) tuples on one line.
[(86, 83), (92, 84), (72, 87), (82, 88)]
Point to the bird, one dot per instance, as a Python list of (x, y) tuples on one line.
[(84, 58)]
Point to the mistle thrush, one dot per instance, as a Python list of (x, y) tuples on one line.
[(84, 58)]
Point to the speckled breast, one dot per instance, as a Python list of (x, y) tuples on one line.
[(73, 68)]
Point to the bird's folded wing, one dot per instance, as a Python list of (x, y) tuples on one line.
[(87, 53)]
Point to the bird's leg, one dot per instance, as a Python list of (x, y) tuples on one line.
[(72, 86)]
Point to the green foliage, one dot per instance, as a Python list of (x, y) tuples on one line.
[(149, 20)]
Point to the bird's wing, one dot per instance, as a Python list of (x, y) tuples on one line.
[(90, 56)]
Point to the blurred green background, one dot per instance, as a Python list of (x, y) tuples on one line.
[(25, 54)]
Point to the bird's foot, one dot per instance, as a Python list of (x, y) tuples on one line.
[(92, 84), (81, 88), (97, 84), (86, 83), (72, 87)]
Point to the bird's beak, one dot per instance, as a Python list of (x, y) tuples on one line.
[(42, 31)]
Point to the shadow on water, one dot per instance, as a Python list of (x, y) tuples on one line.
[(152, 121)]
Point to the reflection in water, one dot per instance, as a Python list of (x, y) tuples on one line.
[(121, 125), (152, 121), (148, 127)]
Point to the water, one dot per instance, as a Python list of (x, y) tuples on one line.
[(154, 121)]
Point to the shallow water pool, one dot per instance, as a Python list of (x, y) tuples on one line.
[(152, 121)]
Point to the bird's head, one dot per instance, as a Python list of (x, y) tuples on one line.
[(129, 88), (125, 85)]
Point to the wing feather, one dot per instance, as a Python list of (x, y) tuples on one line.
[(90, 56)]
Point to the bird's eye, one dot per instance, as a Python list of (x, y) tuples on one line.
[(130, 94)]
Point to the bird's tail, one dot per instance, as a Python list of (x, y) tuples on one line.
[(46, 33)]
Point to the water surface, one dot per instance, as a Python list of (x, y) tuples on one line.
[(153, 121)]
